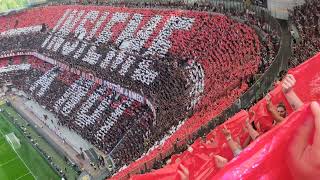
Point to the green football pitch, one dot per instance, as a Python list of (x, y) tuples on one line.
[(7, 5), (24, 163)]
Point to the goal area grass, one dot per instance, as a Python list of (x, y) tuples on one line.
[(23, 162)]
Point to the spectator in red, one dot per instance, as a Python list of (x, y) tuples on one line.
[(278, 113), (235, 146)]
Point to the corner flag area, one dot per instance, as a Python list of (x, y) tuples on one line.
[(24, 162)]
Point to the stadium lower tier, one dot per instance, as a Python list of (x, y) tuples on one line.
[(107, 119), (83, 106)]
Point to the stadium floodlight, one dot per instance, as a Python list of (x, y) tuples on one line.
[(13, 140)]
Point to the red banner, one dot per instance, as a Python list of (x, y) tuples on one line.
[(307, 88), (199, 158), (267, 157)]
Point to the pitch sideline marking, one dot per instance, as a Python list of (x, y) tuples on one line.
[(24, 163), (1, 133), (8, 161), (23, 175), (21, 159)]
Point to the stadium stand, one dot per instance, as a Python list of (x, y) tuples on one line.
[(306, 19), (257, 159), (192, 79)]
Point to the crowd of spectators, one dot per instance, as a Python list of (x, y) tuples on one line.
[(271, 38), (136, 114), (251, 130), (22, 80), (238, 58), (278, 113), (307, 21), (166, 3)]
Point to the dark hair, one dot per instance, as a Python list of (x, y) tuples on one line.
[(253, 125), (282, 105)]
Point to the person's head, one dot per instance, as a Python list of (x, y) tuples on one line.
[(282, 110), (209, 141)]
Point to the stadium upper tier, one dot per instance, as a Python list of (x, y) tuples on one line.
[(159, 66)]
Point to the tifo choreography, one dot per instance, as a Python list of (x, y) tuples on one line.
[(133, 72), (127, 42), (126, 58), (170, 90)]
